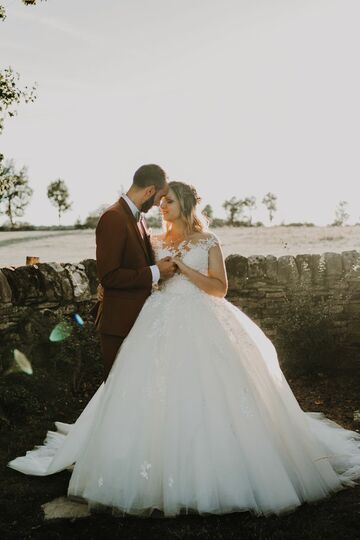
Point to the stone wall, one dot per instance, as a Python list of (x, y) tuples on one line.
[(260, 285), (32, 298)]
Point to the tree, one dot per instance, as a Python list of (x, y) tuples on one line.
[(15, 192), (208, 212), (92, 220), (233, 208), (250, 204), (26, 2), (10, 94), (270, 202), (58, 194), (6, 178), (341, 215)]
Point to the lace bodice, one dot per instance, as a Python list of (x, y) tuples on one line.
[(194, 253)]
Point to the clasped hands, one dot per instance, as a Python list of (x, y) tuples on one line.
[(168, 266)]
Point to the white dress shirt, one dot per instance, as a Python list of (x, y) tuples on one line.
[(154, 268)]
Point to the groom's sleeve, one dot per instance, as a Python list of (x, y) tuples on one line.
[(155, 273), (110, 247)]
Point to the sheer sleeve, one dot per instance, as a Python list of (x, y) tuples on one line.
[(211, 240)]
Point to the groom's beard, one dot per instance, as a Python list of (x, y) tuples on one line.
[(145, 207)]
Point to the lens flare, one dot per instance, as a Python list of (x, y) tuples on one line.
[(61, 331), (20, 363), (76, 317)]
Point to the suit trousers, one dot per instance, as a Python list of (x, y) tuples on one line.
[(109, 346)]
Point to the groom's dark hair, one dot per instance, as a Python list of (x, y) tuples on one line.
[(150, 175)]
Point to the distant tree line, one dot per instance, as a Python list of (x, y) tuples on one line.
[(16, 193)]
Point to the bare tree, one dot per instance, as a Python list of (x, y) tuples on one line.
[(58, 194), (208, 212), (15, 192), (270, 202), (341, 215)]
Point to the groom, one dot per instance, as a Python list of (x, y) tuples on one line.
[(125, 261)]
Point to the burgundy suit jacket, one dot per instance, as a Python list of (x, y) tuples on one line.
[(123, 260)]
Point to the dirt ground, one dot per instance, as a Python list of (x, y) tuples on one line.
[(76, 245), (21, 496)]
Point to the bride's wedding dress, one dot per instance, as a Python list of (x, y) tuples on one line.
[(196, 415)]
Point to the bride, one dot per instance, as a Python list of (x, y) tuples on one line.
[(196, 415)]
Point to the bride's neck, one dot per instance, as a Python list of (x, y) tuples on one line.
[(177, 230)]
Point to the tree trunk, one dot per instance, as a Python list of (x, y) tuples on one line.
[(10, 214)]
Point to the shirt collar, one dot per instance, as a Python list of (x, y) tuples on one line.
[(131, 205)]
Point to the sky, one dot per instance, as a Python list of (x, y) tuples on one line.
[(237, 97)]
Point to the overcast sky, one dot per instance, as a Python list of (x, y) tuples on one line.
[(238, 97)]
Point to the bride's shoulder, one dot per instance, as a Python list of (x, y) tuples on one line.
[(209, 239)]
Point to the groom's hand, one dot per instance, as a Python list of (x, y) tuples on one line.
[(167, 268)]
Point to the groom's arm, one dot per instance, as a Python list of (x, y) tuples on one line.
[(110, 247)]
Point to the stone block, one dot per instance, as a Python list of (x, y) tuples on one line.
[(56, 282), (79, 281), (318, 267), (287, 270), (271, 267), (304, 264), (353, 308), (237, 270), (256, 266), (350, 260), (91, 272), (5, 290), (26, 285), (275, 295), (334, 266), (253, 304)]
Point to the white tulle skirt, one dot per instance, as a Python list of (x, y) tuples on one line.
[(196, 416)]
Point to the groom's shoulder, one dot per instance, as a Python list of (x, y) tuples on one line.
[(114, 214), (116, 209)]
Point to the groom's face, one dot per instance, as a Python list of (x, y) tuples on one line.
[(145, 207), (155, 198)]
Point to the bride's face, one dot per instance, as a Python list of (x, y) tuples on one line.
[(170, 207)]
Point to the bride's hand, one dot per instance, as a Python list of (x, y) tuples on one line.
[(100, 293), (179, 264)]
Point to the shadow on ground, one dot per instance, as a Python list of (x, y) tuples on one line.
[(21, 496)]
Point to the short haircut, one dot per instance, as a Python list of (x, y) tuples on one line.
[(150, 175)]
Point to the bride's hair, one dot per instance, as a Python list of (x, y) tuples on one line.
[(188, 200)]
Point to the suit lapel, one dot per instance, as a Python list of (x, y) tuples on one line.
[(148, 243), (134, 225)]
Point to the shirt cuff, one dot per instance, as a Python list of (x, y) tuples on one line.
[(155, 273)]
